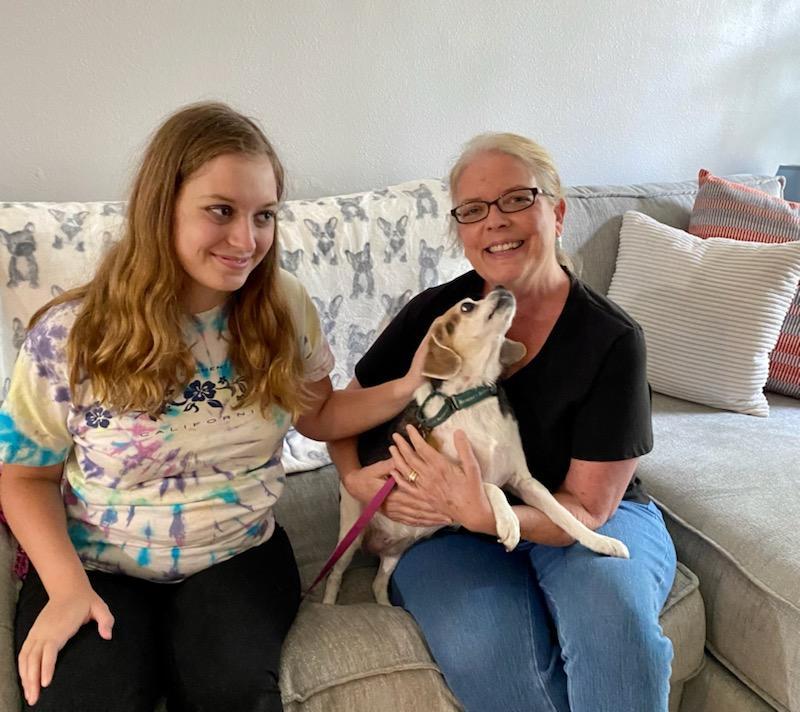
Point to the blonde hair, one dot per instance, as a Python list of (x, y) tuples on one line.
[(533, 156), (128, 334)]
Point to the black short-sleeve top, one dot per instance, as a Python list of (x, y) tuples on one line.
[(584, 395)]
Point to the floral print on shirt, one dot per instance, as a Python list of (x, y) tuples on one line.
[(159, 499)]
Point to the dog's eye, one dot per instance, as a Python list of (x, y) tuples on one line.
[(467, 307)]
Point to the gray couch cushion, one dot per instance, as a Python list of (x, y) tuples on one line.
[(732, 509), (378, 648), (716, 689)]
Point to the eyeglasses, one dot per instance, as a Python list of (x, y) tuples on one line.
[(511, 201)]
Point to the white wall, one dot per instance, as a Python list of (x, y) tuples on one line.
[(359, 94)]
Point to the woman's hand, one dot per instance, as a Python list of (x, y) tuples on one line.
[(455, 490), (364, 483), (414, 378), (57, 622), (406, 507)]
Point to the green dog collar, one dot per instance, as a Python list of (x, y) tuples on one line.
[(451, 404)]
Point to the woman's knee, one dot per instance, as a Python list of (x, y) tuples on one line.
[(92, 674), (609, 628), (485, 622)]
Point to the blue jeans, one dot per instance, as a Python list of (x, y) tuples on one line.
[(542, 628)]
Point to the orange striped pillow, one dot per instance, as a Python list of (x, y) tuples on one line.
[(726, 209)]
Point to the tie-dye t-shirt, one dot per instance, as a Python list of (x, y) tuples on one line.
[(157, 499)]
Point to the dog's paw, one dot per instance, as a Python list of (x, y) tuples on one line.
[(508, 531), (611, 547), (382, 598)]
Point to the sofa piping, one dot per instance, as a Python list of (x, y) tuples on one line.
[(295, 696), (722, 660)]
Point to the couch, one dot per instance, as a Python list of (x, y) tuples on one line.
[(726, 482)]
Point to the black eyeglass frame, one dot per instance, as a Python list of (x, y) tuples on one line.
[(489, 203)]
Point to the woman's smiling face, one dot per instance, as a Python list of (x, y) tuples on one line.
[(507, 248), (224, 226)]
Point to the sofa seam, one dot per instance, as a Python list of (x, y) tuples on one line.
[(642, 196), (717, 547), (295, 696), (697, 671), (662, 194), (739, 675), (687, 590)]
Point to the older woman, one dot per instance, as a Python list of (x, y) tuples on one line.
[(550, 626)]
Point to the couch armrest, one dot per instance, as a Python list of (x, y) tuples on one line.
[(9, 691)]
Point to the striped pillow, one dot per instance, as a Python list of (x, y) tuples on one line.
[(711, 309), (726, 209)]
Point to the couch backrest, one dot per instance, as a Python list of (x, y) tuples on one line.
[(594, 217), (360, 256)]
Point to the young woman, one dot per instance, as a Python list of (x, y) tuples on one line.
[(550, 626), (153, 401)]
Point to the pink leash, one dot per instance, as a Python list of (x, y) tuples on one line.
[(355, 530)]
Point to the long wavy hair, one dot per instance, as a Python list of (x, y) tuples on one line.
[(128, 334)]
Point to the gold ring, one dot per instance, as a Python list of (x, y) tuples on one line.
[(412, 476)]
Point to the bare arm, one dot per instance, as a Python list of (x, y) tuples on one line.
[(591, 491), (34, 508), (335, 415), (344, 455)]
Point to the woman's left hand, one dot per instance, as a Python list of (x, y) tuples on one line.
[(454, 489)]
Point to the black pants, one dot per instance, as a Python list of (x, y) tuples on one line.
[(211, 642)]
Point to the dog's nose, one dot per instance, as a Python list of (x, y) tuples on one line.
[(503, 295)]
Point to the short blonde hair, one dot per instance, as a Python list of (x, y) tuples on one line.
[(533, 156)]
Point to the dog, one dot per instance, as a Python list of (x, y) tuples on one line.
[(328, 313), (22, 267), (467, 350), (363, 278), (429, 265), (426, 203), (396, 239), (351, 210), (325, 237), (290, 261)]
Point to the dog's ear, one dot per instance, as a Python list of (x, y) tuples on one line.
[(441, 361), (511, 352)]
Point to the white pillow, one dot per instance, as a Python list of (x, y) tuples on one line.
[(711, 309)]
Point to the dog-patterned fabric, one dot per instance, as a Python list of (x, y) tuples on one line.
[(158, 499), (724, 208), (358, 256)]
